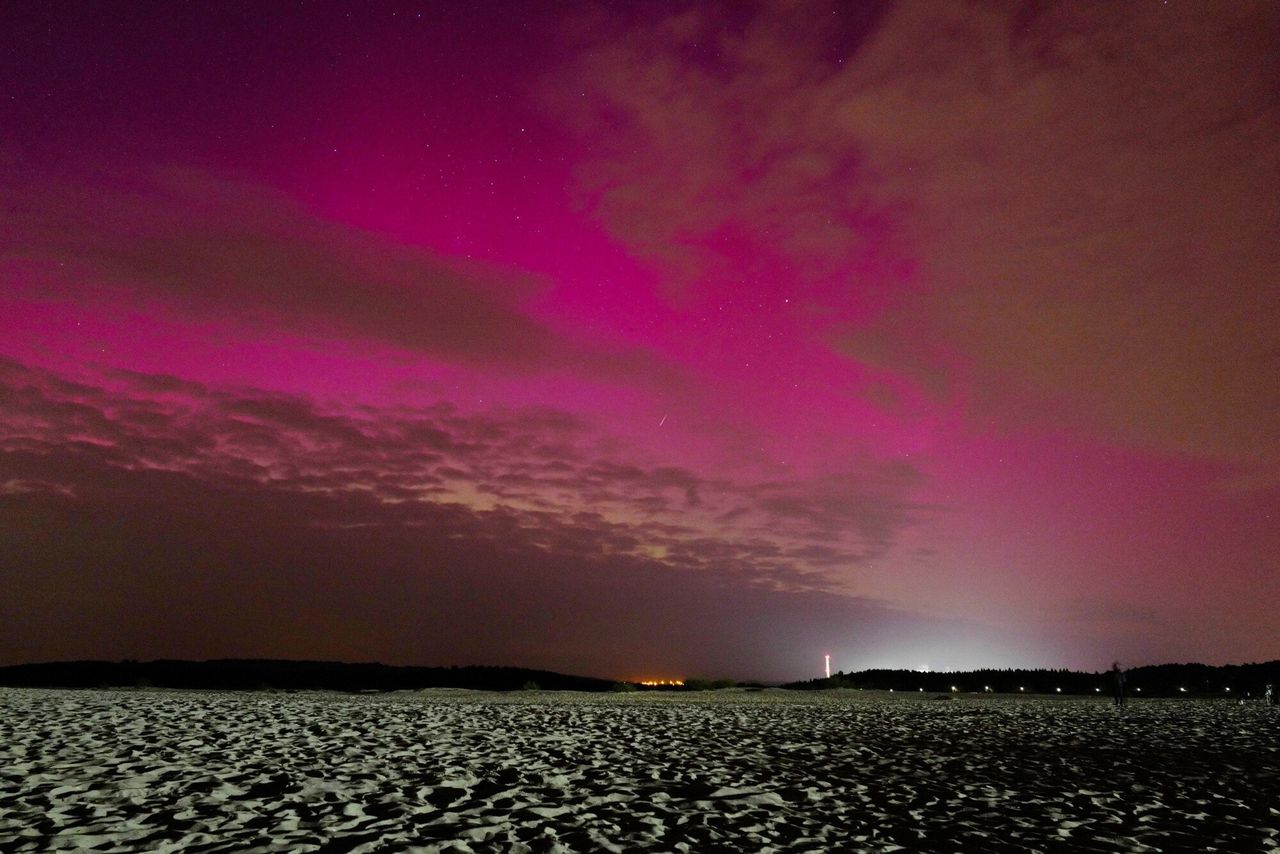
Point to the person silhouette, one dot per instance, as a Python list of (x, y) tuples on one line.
[(1269, 696), (1117, 683)]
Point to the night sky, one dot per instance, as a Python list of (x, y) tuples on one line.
[(641, 340)]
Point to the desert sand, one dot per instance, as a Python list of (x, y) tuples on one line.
[(154, 770)]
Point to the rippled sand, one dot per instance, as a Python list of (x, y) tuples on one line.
[(463, 771)]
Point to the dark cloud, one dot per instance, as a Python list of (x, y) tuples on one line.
[(538, 468), (211, 249), (208, 572), (148, 513)]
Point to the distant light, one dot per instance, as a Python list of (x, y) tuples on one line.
[(1097, 690), (986, 688), (953, 688), (1183, 690), (662, 683), (1137, 689), (1059, 690), (1228, 689), (890, 690), (1020, 688), (921, 690)]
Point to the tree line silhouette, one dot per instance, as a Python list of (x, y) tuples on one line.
[(1237, 681), (1243, 681), (262, 674)]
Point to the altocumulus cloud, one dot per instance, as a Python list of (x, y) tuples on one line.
[(292, 528)]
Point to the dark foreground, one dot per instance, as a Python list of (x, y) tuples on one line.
[(462, 771)]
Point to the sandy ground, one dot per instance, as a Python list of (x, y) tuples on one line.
[(460, 771)]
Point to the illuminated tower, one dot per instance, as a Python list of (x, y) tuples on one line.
[(827, 660)]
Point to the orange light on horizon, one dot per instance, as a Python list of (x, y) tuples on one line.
[(661, 683)]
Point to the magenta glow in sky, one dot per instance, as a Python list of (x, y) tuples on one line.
[(636, 340)]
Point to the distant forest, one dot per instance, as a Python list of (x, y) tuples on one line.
[(264, 674), (1242, 681), (1161, 680)]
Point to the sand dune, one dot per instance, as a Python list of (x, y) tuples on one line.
[(461, 771)]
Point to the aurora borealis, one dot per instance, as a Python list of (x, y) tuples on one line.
[(645, 340)]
